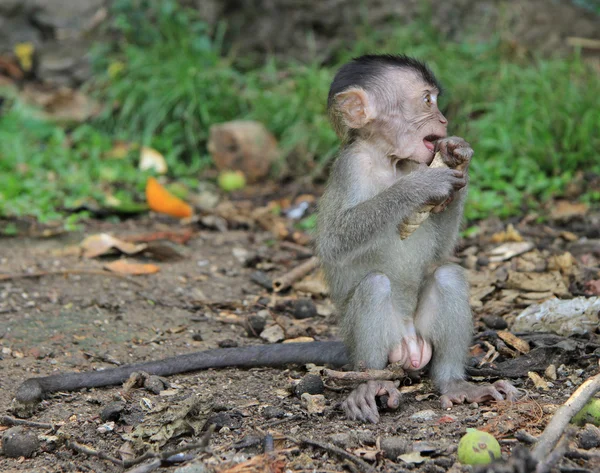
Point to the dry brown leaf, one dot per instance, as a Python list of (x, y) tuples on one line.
[(538, 282), (509, 250), (369, 454), (103, 243), (538, 381), (564, 210), (299, 340), (123, 266), (61, 104), (514, 341), (510, 234), (565, 263)]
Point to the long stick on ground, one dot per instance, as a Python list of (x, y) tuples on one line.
[(295, 274), (362, 376), (555, 428)]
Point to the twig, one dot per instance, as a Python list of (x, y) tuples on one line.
[(563, 416), (525, 437), (202, 444), (66, 272), (295, 274), (545, 465), (362, 466), (391, 373), (301, 250), (147, 467), (7, 420), (281, 421), (583, 42), (81, 448)]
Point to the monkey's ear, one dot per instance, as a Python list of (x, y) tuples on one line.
[(355, 107)]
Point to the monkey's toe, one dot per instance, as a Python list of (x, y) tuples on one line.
[(463, 391), (361, 404)]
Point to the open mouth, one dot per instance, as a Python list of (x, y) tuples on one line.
[(429, 142)]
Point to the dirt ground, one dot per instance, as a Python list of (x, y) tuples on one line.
[(85, 321)]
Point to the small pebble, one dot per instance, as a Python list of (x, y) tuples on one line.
[(261, 278), (230, 420), (19, 442), (304, 309), (155, 384), (394, 446), (272, 412), (273, 334), (112, 412), (483, 261), (311, 384), (589, 437), (342, 440), (495, 322), (314, 404), (255, 324), (424, 416), (197, 337), (228, 343)]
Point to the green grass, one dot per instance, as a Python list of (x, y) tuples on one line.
[(167, 79)]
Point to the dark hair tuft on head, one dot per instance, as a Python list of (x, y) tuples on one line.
[(361, 71)]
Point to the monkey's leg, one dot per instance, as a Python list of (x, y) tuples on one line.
[(444, 317), (371, 328)]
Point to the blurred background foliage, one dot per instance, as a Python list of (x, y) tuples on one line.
[(164, 76)]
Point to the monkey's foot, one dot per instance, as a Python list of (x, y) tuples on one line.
[(461, 391), (361, 405)]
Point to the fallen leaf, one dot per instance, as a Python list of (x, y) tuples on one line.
[(152, 160), (538, 381), (369, 454), (412, 457), (514, 341), (299, 340), (538, 282), (62, 104), (162, 201), (103, 243), (510, 234), (565, 263), (123, 266), (563, 210), (509, 250), (120, 150)]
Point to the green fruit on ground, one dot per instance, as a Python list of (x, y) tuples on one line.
[(478, 448), (231, 180), (589, 414)]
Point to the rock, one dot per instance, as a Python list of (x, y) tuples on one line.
[(342, 440), (262, 279), (155, 384), (231, 420), (255, 324), (273, 334), (244, 146), (424, 416), (112, 412), (311, 384), (272, 412), (315, 404), (304, 309), (495, 322), (576, 316), (589, 437), (395, 446), (228, 343), (19, 442)]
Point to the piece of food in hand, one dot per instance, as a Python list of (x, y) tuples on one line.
[(410, 225)]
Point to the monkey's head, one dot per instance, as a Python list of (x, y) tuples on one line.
[(389, 100)]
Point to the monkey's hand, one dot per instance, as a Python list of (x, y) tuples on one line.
[(461, 391), (361, 404), (456, 153)]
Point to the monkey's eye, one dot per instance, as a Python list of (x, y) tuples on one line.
[(427, 99)]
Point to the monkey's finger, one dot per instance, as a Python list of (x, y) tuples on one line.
[(393, 398), (445, 402), (511, 393), (490, 391)]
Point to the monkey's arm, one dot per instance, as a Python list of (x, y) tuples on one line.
[(342, 231), (333, 353), (448, 223)]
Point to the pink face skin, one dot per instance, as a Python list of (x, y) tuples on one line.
[(411, 122), (413, 353)]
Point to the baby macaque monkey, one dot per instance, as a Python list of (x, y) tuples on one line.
[(399, 300)]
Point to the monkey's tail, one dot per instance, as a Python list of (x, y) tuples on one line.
[(331, 353)]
